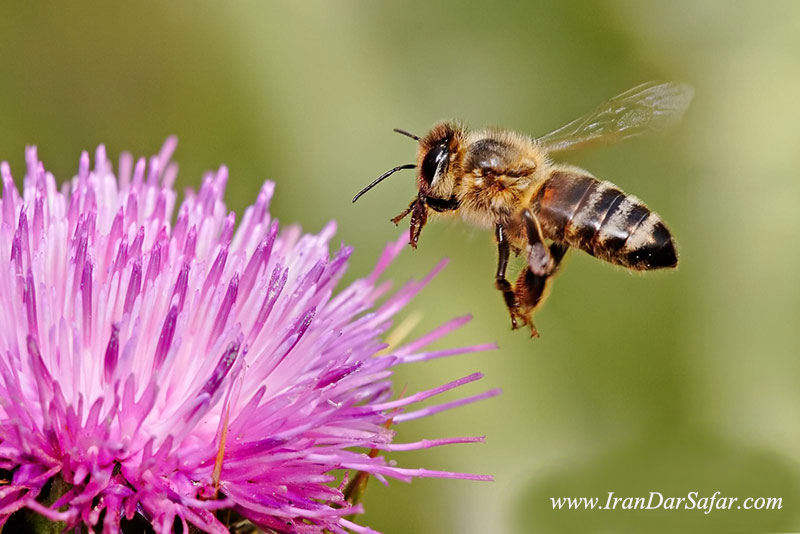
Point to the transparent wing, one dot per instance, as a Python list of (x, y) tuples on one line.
[(652, 106)]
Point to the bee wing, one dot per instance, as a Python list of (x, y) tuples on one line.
[(652, 106)]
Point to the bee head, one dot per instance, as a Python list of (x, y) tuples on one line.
[(434, 161), (435, 181)]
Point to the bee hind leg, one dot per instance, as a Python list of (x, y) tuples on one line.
[(540, 259), (530, 288)]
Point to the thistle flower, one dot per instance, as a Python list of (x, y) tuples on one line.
[(172, 371)]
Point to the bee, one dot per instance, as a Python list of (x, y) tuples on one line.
[(506, 181)]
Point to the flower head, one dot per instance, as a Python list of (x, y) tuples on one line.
[(172, 370)]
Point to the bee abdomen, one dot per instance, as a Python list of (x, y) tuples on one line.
[(599, 218)]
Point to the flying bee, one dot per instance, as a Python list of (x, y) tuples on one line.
[(504, 180)]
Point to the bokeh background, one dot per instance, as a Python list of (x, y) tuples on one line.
[(671, 382)]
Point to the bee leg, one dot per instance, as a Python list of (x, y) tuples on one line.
[(396, 220), (540, 260), (419, 216), (530, 287), (409, 209), (500, 281)]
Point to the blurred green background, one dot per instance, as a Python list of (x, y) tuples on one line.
[(671, 382)]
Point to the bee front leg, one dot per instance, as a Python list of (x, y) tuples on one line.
[(530, 287), (419, 216), (396, 220), (500, 281)]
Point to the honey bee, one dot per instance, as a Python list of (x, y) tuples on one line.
[(500, 179)]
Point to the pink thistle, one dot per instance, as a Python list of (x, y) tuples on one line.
[(171, 371)]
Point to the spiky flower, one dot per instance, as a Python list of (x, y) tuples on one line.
[(172, 371)]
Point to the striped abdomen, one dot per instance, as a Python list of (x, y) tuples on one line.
[(600, 219)]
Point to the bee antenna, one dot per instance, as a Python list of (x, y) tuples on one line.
[(407, 134), (382, 177)]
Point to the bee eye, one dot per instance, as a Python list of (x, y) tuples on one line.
[(435, 157)]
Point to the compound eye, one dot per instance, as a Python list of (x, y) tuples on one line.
[(436, 157)]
